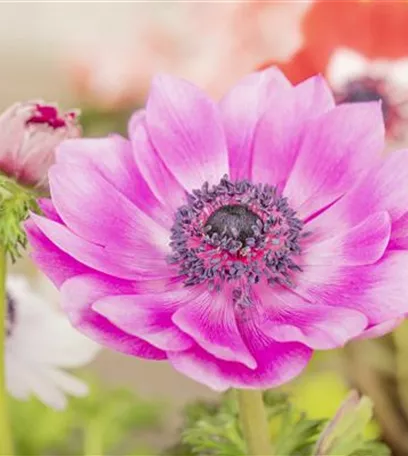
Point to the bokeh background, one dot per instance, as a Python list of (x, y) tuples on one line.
[(100, 57)]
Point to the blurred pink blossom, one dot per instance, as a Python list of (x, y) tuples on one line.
[(29, 134), (212, 44)]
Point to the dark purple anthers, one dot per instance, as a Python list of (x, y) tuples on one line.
[(236, 232)]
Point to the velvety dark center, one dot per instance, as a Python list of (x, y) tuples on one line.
[(360, 91), (233, 221)]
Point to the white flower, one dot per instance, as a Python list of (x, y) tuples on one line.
[(40, 344)]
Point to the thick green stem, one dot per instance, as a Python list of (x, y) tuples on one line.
[(254, 422), (6, 447)]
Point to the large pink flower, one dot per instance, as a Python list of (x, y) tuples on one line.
[(231, 239)]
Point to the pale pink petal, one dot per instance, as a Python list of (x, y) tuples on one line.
[(383, 188), (277, 363), (57, 265), (186, 129), (48, 209), (363, 244), (399, 235), (124, 265), (290, 318), (378, 291), (112, 158), (161, 182), (210, 320), (381, 329), (241, 110), (337, 148), (148, 317), (93, 209), (77, 296), (281, 129), (314, 97)]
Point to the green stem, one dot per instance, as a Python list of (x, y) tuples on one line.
[(6, 447), (93, 443), (254, 422)]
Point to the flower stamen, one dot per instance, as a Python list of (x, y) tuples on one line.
[(235, 232)]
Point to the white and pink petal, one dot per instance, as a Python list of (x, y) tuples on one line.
[(242, 109), (112, 158), (148, 317), (210, 320), (185, 128), (277, 363), (337, 148), (281, 129), (363, 244)]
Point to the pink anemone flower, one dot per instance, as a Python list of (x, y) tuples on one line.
[(234, 238)]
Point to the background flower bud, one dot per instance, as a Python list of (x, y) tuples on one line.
[(29, 134)]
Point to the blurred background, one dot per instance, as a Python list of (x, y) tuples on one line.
[(100, 57)]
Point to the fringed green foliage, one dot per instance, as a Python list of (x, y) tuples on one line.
[(15, 204), (215, 430), (104, 423)]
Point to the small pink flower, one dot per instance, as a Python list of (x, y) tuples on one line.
[(231, 238), (29, 134)]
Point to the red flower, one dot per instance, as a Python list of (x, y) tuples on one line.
[(361, 47)]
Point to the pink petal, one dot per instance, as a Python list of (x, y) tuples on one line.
[(281, 129), (111, 262), (314, 97), (363, 244), (241, 110), (381, 329), (276, 364), (210, 320), (289, 318), (48, 209), (96, 211), (57, 265), (378, 291), (186, 129), (383, 188), (337, 147), (112, 158), (77, 296), (162, 183), (148, 317)]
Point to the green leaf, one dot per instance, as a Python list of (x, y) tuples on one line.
[(344, 434)]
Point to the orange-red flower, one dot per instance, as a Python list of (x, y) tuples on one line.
[(361, 47)]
